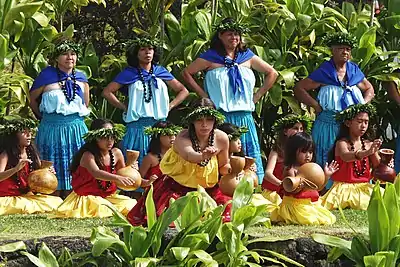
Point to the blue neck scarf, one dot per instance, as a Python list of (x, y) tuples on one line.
[(327, 74), (131, 75), (235, 77), (50, 75)]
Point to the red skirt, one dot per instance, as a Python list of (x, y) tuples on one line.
[(166, 188)]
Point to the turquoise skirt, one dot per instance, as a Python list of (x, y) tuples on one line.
[(250, 144), (324, 133), (136, 139), (59, 137)]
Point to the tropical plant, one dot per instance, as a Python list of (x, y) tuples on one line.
[(383, 246)]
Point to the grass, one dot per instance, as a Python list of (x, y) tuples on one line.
[(24, 227), (357, 218)]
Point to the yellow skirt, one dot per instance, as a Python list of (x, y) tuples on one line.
[(259, 199), (76, 206), (28, 204), (348, 195), (272, 196), (302, 211)]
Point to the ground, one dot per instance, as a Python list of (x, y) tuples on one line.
[(24, 227)]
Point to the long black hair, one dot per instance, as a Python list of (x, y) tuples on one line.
[(217, 45), (132, 56), (91, 147), (10, 145), (344, 133), (201, 102), (299, 142), (155, 144)]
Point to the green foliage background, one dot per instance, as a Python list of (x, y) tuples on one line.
[(285, 33)]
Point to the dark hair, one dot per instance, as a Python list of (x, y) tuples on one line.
[(201, 102), (155, 145), (280, 142), (230, 128), (299, 142), (132, 56), (10, 145), (217, 45), (91, 147), (344, 133)]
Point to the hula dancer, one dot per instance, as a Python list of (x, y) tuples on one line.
[(229, 82), (198, 156), (59, 97), (163, 134), (341, 84), (94, 175), (18, 158), (355, 154), (302, 207), (145, 84), (284, 128)]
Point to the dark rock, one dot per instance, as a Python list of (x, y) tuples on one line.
[(303, 250)]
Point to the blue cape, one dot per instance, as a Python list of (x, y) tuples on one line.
[(131, 75), (327, 74), (49, 75), (235, 78)]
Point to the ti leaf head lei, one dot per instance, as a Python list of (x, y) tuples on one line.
[(231, 26), (144, 41), (65, 46), (169, 131), (237, 133), (202, 112), (352, 111), (13, 124), (115, 133), (340, 38), (290, 120)]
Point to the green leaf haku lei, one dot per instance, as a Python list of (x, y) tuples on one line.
[(169, 131), (203, 112), (66, 45), (142, 42), (116, 133), (285, 122), (352, 111), (13, 125), (340, 38), (231, 26), (237, 133)]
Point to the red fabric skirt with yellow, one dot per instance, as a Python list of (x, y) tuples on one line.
[(16, 198), (90, 197), (186, 177), (303, 208)]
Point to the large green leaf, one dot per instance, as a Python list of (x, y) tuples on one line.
[(180, 253), (104, 238), (138, 236), (332, 241), (366, 46), (173, 28), (47, 257), (359, 249), (275, 94), (27, 9), (35, 260), (304, 21), (378, 220), (12, 247), (348, 9), (242, 195), (374, 261), (390, 201)]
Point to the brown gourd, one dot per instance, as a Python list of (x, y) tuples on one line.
[(229, 182), (248, 172), (42, 180), (310, 176), (130, 171), (383, 172)]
